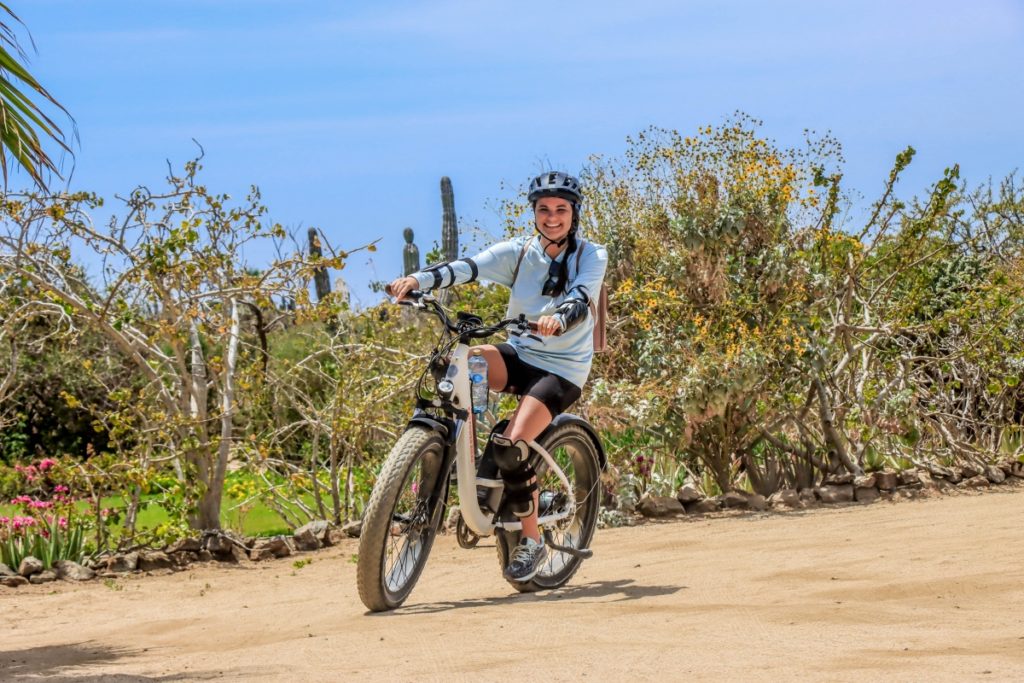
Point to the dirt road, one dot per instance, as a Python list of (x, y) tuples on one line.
[(912, 590)]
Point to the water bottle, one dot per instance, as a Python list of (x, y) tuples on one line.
[(478, 378)]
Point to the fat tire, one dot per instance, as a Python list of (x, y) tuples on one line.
[(378, 519), (587, 478)]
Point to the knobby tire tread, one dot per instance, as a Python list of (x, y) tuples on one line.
[(377, 522)]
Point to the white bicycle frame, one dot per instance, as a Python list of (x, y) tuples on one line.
[(479, 522)]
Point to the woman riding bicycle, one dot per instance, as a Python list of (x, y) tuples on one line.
[(552, 277)]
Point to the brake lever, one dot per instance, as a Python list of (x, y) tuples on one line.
[(528, 335)]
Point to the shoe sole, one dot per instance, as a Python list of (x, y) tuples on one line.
[(524, 579)]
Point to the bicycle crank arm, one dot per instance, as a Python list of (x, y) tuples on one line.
[(579, 553)]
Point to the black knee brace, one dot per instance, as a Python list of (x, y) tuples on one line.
[(513, 460)]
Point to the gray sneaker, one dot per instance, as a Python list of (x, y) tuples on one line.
[(527, 559)]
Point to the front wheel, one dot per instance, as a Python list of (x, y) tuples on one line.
[(576, 453), (401, 519)]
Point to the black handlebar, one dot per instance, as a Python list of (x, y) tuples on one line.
[(422, 300)]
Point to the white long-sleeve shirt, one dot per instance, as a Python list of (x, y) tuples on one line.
[(568, 355)]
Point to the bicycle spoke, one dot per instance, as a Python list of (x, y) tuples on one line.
[(409, 524), (561, 532)]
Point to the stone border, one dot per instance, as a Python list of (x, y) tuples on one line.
[(217, 545), (837, 489), (228, 547)]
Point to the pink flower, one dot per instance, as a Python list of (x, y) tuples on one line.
[(20, 500), (40, 505), (61, 489), (46, 463), (5, 520), (20, 522), (63, 522)]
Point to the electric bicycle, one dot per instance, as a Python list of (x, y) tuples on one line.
[(408, 505)]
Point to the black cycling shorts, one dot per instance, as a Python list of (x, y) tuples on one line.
[(557, 393)]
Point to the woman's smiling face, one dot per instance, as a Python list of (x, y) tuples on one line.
[(554, 217)]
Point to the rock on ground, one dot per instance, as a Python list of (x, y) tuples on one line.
[(969, 471), (277, 546), (733, 500), (886, 480), (154, 559), (354, 528), (910, 478), (45, 576), (659, 506), (259, 554), (994, 474), (185, 545), (29, 566), (312, 535), (223, 544), (835, 494), (128, 562), (688, 494), (865, 481), (741, 500), (72, 571), (785, 497), (702, 507), (757, 502), (865, 494)]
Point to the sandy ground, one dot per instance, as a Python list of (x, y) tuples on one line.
[(919, 590)]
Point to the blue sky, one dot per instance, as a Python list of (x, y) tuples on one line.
[(347, 114)]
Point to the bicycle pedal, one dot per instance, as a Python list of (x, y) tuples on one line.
[(579, 553)]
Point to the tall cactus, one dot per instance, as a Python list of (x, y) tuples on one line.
[(449, 228), (410, 254), (320, 277)]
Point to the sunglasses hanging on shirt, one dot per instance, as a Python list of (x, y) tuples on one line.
[(551, 284)]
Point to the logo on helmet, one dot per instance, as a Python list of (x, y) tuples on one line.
[(555, 184)]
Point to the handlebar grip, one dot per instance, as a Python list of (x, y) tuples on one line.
[(533, 328), (413, 294)]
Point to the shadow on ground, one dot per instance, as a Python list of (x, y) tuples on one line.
[(620, 590), (71, 663)]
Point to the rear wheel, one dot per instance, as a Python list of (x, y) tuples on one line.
[(575, 452), (401, 519)]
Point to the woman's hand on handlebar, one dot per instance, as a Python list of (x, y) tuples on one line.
[(547, 326), (399, 287)]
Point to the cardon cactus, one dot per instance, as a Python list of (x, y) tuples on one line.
[(320, 278), (449, 228), (410, 254)]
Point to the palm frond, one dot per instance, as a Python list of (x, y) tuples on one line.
[(23, 124)]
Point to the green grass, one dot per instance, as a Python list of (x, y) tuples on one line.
[(260, 520)]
